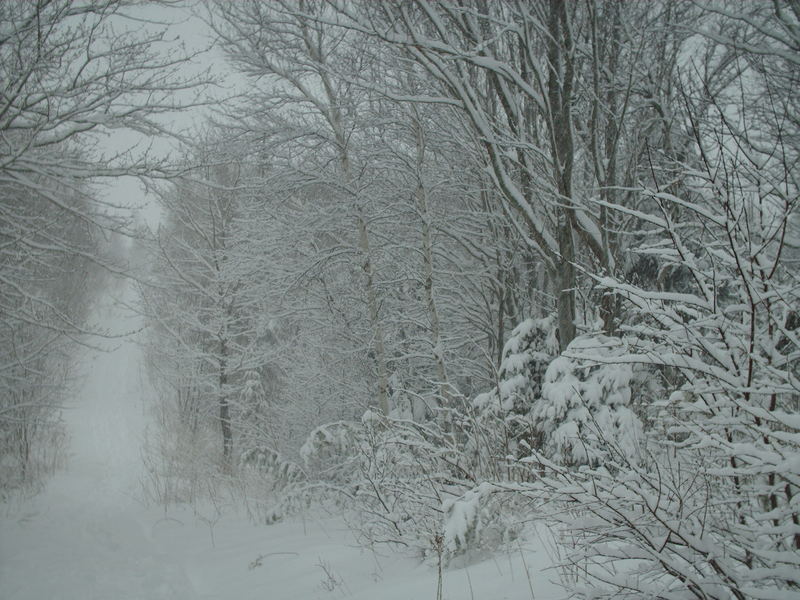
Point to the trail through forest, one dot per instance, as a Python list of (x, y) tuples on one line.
[(88, 536)]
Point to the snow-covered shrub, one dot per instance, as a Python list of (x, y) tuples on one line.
[(407, 471), (464, 517), (530, 348), (585, 403), (331, 451), (251, 414), (272, 466), (481, 520), (717, 510), (562, 405), (393, 477), (181, 464), (271, 486), (498, 423), (31, 451), (413, 490)]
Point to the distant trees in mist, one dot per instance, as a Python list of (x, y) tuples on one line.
[(70, 72)]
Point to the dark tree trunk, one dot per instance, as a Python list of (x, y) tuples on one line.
[(560, 102), (224, 407)]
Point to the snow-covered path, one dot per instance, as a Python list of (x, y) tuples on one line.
[(85, 536)]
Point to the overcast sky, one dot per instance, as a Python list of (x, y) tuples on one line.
[(186, 27)]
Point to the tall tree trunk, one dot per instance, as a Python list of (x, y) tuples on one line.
[(421, 199), (560, 100), (224, 406), (604, 138), (334, 117), (374, 316)]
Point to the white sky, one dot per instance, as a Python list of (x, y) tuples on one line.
[(185, 26)]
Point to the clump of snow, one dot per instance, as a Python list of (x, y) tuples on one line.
[(464, 518), (585, 404), (327, 441)]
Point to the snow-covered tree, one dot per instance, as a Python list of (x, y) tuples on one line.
[(198, 301), (710, 511)]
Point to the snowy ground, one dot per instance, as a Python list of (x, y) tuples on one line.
[(86, 537)]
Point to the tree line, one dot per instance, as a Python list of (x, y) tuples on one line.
[(547, 245)]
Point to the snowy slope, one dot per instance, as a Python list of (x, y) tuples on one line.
[(86, 537)]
